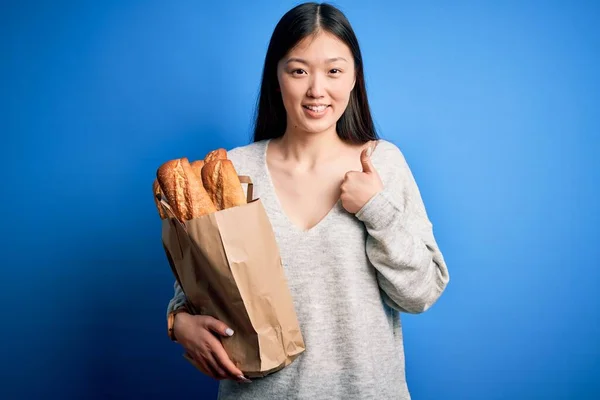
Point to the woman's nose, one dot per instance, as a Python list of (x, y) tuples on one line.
[(316, 88)]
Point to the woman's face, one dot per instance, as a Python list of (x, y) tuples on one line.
[(316, 79)]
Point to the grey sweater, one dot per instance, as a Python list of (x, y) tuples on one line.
[(349, 276)]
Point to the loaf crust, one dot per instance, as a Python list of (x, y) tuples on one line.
[(197, 167), (218, 154), (222, 183), (184, 191)]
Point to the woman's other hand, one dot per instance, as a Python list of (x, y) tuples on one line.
[(359, 187), (200, 336)]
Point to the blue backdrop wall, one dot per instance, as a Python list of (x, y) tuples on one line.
[(495, 105)]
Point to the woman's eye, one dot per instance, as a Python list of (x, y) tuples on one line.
[(335, 71)]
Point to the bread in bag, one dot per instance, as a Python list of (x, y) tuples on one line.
[(218, 154), (197, 167), (222, 184), (184, 191)]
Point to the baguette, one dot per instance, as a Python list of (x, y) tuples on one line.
[(223, 184), (218, 154), (184, 191), (157, 191), (197, 167)]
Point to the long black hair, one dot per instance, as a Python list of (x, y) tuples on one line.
[(356, 123)]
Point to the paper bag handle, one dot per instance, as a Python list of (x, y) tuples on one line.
[(166, 205), (248, 180)]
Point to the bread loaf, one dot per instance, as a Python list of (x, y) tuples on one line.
[(222, 184), (184, 191), (218, 154), (197, 167), (156, 190)]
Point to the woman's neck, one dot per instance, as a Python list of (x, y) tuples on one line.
[(310, 149)]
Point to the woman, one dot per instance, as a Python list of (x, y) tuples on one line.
[(354, 237)]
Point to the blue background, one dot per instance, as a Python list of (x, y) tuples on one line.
[(494, 104)]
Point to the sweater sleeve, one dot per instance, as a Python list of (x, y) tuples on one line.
[(400, 242), (178, 300)]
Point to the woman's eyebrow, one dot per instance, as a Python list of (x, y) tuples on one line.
[(330, 60)]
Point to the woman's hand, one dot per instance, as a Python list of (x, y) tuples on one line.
[(196, 333), (359, 187)]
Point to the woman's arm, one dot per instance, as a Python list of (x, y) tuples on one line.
[(400, 242)]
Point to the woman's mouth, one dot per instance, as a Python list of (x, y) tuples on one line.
[(316, 111)]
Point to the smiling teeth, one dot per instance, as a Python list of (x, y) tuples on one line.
[(317, 109)]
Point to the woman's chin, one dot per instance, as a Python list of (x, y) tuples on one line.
[(317, 126), (316, 130), (313, 127)]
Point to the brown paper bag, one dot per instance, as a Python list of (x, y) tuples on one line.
[(229, 267)]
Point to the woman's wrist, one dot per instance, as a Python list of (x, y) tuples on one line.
[(171, 320), (179, 320)]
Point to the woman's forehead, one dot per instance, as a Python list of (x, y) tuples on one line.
[(321, 48)]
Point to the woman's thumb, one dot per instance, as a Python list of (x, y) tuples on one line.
[(365, 159), (219, 327)]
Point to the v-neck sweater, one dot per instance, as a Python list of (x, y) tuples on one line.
[(349, 276)]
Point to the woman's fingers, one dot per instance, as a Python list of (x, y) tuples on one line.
[(206, 368), (222, 358), (218, 327), (218, 371), (211, 357), (225, 363), (197, 358)]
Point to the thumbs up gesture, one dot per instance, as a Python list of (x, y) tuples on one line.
[(359, 187)]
